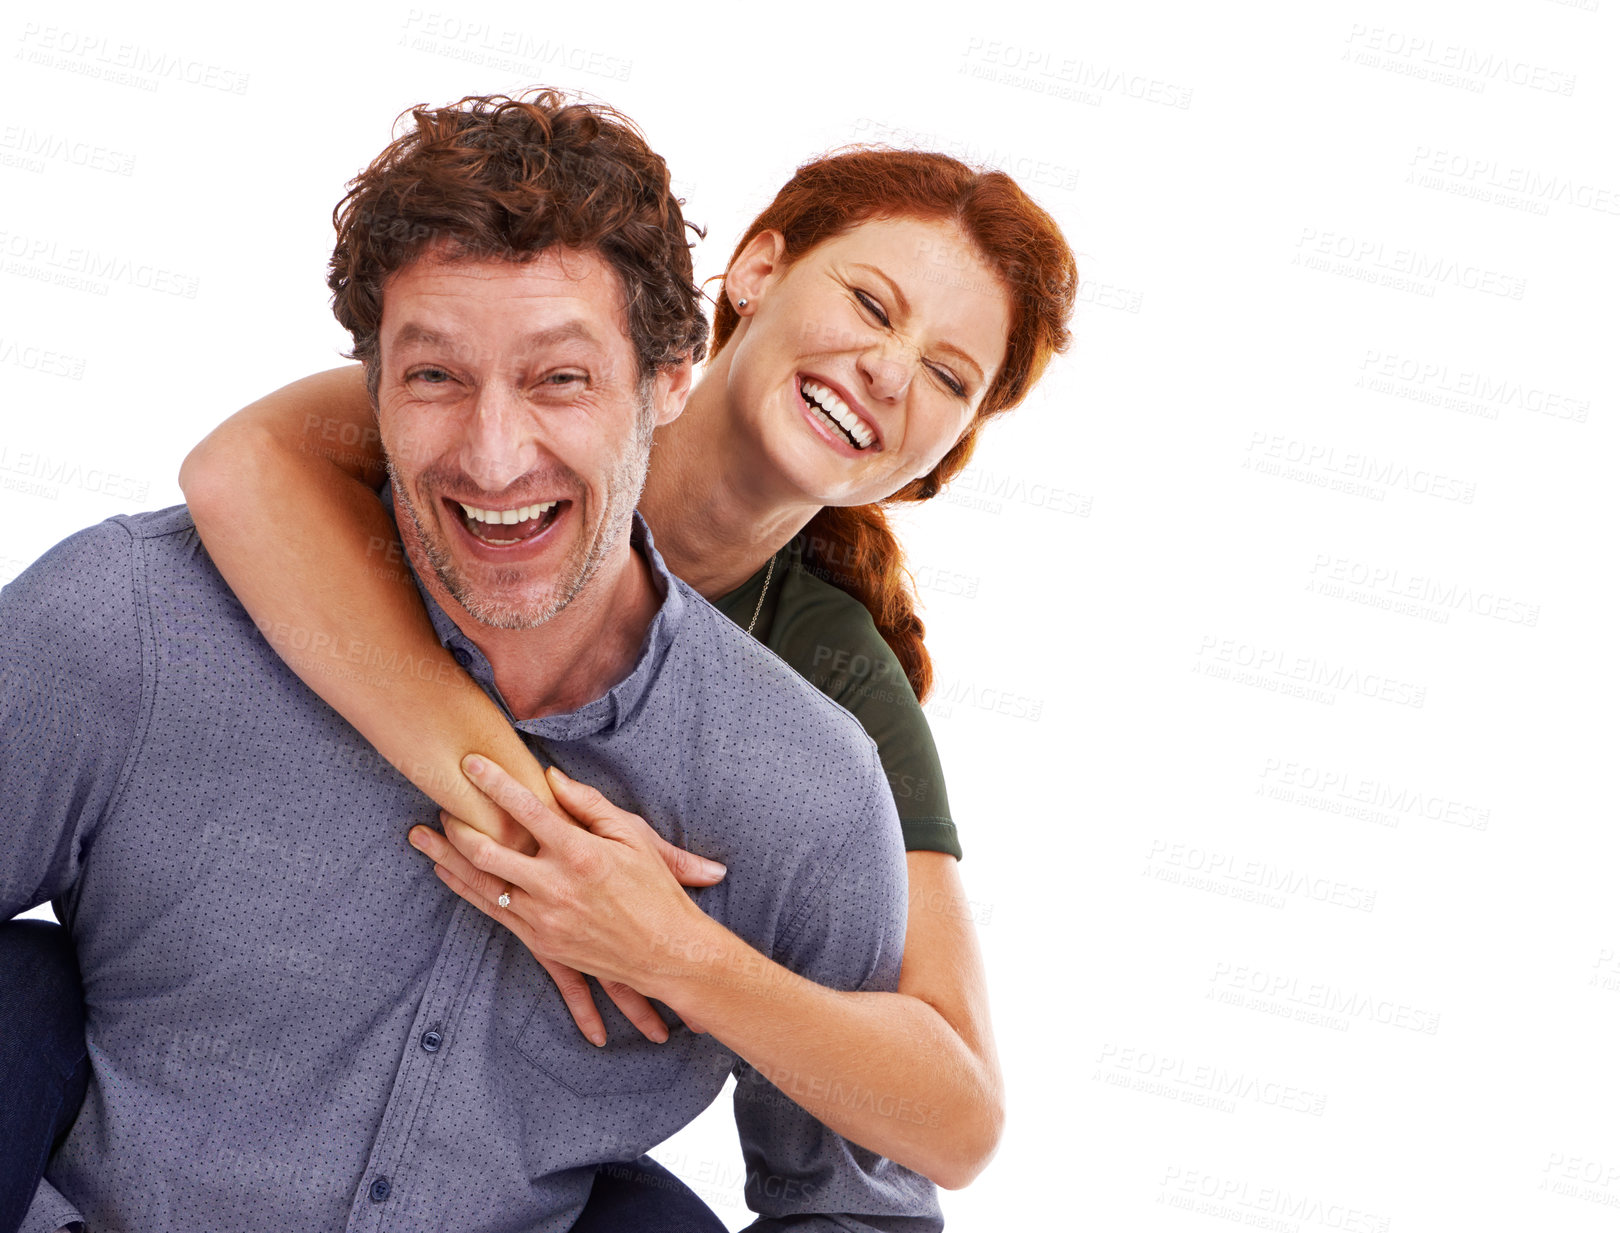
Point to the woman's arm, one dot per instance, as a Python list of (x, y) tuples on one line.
[(924, 1055), (284, 496)]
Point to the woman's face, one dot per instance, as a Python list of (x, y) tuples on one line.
[(858, 366)]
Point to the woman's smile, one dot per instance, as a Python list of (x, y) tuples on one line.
[(838, 418)]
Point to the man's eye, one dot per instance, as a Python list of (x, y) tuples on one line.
[(433, 376), (873, 307), (560, 379)]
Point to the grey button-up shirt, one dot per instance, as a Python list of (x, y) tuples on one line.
[(293, 1025)]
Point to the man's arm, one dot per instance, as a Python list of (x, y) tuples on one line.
[(70, 701)]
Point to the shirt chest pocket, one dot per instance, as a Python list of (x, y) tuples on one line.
[(628, 1064)]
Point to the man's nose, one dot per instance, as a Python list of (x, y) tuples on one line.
[(498, 446), (888, 367)]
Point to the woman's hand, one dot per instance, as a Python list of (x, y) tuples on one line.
[(602, 895)]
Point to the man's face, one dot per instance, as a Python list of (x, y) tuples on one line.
[(516, 429)]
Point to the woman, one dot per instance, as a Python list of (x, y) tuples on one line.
[(874, 317)]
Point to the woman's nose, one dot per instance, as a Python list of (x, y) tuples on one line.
[(888, 368)]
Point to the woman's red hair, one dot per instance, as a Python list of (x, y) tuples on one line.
[(853, 546)]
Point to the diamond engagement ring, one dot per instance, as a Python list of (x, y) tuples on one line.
[(505, 900)]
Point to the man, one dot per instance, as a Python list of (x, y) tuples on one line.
[(292, 1023)]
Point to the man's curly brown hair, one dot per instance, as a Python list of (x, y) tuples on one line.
[(498, 177)]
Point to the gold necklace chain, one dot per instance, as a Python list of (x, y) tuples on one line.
[(769, 569)]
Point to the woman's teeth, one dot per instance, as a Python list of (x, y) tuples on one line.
[(836, 412), (480, 521)]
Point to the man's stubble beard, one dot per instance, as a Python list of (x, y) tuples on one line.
[(623, 492)]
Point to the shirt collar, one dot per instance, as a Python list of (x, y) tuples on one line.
[(613, 709)]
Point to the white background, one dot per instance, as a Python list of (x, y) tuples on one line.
[(1339, 422)]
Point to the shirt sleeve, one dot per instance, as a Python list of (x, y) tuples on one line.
[(70, 701), (50, 1212), (847, 933)]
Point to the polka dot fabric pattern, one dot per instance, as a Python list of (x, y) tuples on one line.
[(292, 1023)]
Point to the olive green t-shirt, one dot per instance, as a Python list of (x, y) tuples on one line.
[(826, 635)]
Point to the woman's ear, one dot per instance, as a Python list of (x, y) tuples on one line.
[(757, 266)]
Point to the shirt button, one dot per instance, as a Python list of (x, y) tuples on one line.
[(431, 1041), (462, 657), (380, 1190)]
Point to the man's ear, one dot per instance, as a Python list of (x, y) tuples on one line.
[(756, 267), (672, 386)]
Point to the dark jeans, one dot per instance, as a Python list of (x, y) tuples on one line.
[(44, 1073), (43, 1067)]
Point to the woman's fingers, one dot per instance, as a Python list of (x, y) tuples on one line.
[(441, 851), (605, 818), (537, 817), (638, 1010), (575, 990), (488, 856), (445, 854)]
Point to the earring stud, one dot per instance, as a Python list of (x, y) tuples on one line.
[(742, 303)]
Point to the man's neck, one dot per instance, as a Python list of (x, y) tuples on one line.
[(715, 516), (578, 655)]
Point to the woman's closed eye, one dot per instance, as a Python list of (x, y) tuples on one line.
[(873, 308), (948, 379)]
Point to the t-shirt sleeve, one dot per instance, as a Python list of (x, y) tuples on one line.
[(832, 642), (847, 932), (70, 701)]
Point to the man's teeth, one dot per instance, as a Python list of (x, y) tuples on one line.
[(507, 517), (835, 409)]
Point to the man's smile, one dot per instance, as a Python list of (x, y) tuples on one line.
[(512, 528)]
